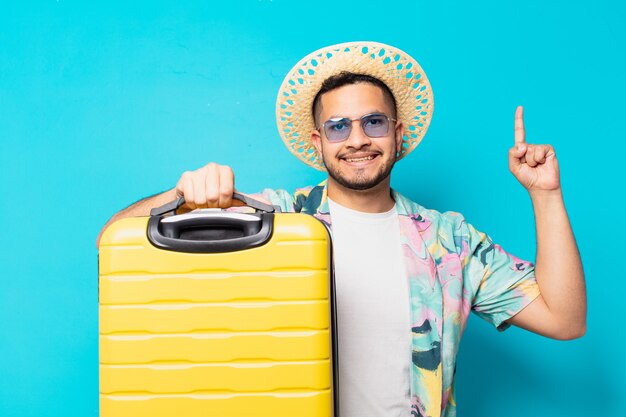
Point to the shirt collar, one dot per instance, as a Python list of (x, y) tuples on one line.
[(317, 202)]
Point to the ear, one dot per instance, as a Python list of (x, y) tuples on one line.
[(316, 139), (399, 136)]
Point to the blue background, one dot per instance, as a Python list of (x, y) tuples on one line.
[(102, 104)]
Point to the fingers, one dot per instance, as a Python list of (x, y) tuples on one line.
[(539, 155), (208, 187), (519, 132), (227, 185), (211, 185), (532, 155), (184, 188)]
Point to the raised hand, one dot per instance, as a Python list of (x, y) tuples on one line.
[(534, 166)]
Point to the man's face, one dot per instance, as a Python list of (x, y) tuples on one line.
[(359, 162)]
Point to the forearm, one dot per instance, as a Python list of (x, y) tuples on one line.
[(140, 208), (559, 271)]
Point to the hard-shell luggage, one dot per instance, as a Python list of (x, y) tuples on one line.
[(215, 313)]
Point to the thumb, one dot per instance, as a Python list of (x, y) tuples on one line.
[(515, 156)]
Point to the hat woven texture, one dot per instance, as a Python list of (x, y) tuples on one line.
[(398, 70)]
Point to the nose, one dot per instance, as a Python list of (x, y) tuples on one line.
[(357, 138)]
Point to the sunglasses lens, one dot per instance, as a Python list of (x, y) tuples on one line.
[(375, 125), (337, 129)]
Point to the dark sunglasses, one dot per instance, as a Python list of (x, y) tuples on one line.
[(375, 125)]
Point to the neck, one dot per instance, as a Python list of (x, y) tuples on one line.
[(373, 200)]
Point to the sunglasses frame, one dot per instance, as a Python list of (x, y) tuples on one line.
[(323, 126)]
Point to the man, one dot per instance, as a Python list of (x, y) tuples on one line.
[(406, 276)]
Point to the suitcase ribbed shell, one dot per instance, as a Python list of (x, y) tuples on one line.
[(244, 333)]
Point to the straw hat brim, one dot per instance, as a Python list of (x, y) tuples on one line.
[(398, 70)]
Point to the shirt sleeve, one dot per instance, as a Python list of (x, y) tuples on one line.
[(502, 284)]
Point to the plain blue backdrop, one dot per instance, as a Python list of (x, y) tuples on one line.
[(102, 104)]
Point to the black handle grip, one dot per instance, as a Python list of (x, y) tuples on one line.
[(213, 232), (172, 206)]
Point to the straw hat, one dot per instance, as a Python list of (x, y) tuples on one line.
[(402, 74)]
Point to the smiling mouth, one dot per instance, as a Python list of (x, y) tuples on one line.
[(361, 159)]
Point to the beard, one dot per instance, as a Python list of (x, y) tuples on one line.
[(361, 180)]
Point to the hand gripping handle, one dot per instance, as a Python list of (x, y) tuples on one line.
[(172, 206)]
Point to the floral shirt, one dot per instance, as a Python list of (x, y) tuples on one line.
[(452, 269)]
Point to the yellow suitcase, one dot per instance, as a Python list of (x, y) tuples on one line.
[(217, 314)]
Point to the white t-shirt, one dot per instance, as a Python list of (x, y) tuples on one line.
[(373, 316)]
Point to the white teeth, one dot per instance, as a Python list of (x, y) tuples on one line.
[(367, 158)]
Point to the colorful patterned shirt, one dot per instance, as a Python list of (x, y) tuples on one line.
[(452, 269)]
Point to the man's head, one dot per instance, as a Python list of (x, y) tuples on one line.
[(302, 97), (361, 155)]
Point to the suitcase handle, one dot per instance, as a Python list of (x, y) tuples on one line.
[(213, 232), (210, 232), (172, 206)]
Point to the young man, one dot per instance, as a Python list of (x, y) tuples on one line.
[(406, 277)]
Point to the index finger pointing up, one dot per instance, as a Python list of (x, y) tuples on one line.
[(520, 133)]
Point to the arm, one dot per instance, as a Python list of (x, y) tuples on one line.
[(560, 311), (210, 186)]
